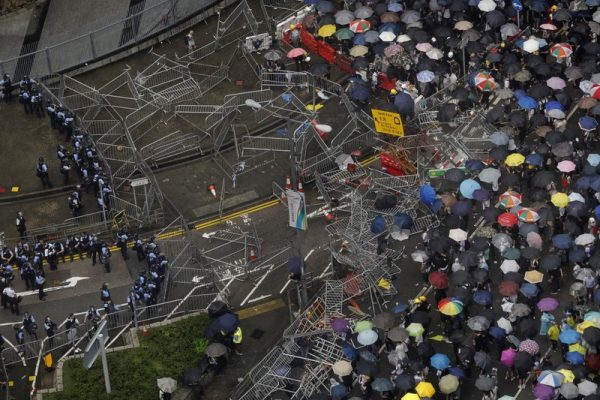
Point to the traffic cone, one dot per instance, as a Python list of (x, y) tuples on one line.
[(212, 188), (300, 186), (288, 186), (252, 255)]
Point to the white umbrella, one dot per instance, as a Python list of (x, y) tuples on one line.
[(576, 197), (556, 113), (424, 47), (387, 36), (463, 25), (367, 337), (419, 256), (509, 29), (531, 45), (486, 5), (582, 273), (410, 16), (342, 368), (403, 39), (556, 83), (458, 235), (585, 239), (489, 175), (425, 76), (596, 16), (435, 54), (587, 388), (399, 234), (167, 385), (509, 266), (505, 324), (586, 86)]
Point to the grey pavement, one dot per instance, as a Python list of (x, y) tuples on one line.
[(13, 29)]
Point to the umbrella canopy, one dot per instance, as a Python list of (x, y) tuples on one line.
[(439, 361), (485, 383), (367, 337), (344, 17), (215, 350), (382, 385), (448, 384), (384, 320), (363, 326), (561, 50), (438, 279), (398, 334), (484, 82), (415, 329), (478, 323), (533, 276), (167, 385), (507, 219), (450, 306), (342, 368), (296, 52)]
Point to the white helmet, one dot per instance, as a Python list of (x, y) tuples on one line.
[(450, 54)]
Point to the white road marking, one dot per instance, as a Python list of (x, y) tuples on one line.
[(259, 298), (257, 285), (69, 283)]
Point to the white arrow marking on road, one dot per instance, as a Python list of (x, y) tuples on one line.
[(69, 283)]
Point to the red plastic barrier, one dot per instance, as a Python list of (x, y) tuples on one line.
[(390, 165), (386, 83)]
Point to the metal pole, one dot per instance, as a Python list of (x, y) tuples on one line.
[(92, 45), (47, 51), (104, 363), (135, 318), (518, 19)]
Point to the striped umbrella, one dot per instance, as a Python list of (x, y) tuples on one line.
[(510, 199), (450, 306), (360, 25), (561, 50), (484, 82), (528, 215)]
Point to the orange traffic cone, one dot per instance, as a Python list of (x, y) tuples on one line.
[(252, 255), (288, 186), (212, 188), (300, 186)]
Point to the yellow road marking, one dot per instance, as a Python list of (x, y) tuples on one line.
[(253, 311)]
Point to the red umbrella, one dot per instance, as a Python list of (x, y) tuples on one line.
[(507, 219), (592, 362), (438, 280), (508, 288)]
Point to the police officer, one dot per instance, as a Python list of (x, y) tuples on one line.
[(30, 325), (20, 223), (105, 256), (94, 247), (50, 328), (6, 87), (24, 98), (27, 83), (122, 239), (237, 340), (36, 104), (138, 246), (60, 119), (19, 334), (68, 125), (40, 281), (11, 299), (105, 293), (42, 172), (61, 152), (51, 111), (65, 167)]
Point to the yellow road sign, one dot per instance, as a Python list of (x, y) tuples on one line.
[(388, 122)]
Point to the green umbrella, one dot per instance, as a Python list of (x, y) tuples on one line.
[(448, 384), (363, 326), (344, 34), (415, 329)]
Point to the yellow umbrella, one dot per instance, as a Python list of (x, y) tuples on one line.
[(569, 376), (316, 107), (514, 160), (327, 30), (560, 200), (411, 396), (584, 325), (425, 389), (359, 51), (533, 276), (578, 348)]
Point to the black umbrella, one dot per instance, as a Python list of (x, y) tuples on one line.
[(509, 179), (592, 335), (481, 275), (534, 60), (530, 253), (418, 35), (494, 113), (405, 382), (562, 149), (572, 228), (539, 91), (319, 69), (540, 195), (460, 277), (523, 361), (461, 293), (525, 229), (543, 70), (594, 260), (577, 209), (420, 317), (425, 349), (442, 31), (458, 5), (498, 153), (482, 360), (455, 174), (468, 258), (495, 18), (440, 244), (511, 68), (542, 178), (366, 368), (494, 57), (528, 327), (474, 47), (466, 353), (217, 308), (514, 277), (562, 14), (550, 262), (446, 114), (518, 118), (554, 137), (480, 243), (457, 336), (490, 214), (592, 48), (453, 221), (360, 63)]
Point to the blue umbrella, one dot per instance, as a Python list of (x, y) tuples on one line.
[(457, 372), (594, 183), (593, 159), (378, 225), (436, 206), (562, 241), (554, 105), (539, 6), (519, 93), (478, 165), (468, 186), (597, 211), (382, 385), (574, 358), (399, 308), (395, 7), (577, 209), (295, 265), (529, 290), (404, 104), (359, 92), (311, 2), (577, 254), (535, 159), (427, 194), (325, 6), (228, 322), (481, 195), (528, 103), (372, 37), (569, 336), (587, 123), (403, 220), (461, 208), (439, 361), (592, 3), (597, 296), (583, 183), (339, 391), (350, 352), (497, 333), (482, 297), (499, 138), (390, 27), (359, 39)]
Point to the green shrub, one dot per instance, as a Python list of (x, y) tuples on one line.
[(165, 351)]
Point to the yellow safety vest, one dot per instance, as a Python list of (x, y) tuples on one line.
[(237, 336)]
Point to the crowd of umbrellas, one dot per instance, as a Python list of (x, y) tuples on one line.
[(513, 271), (539, 70)]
